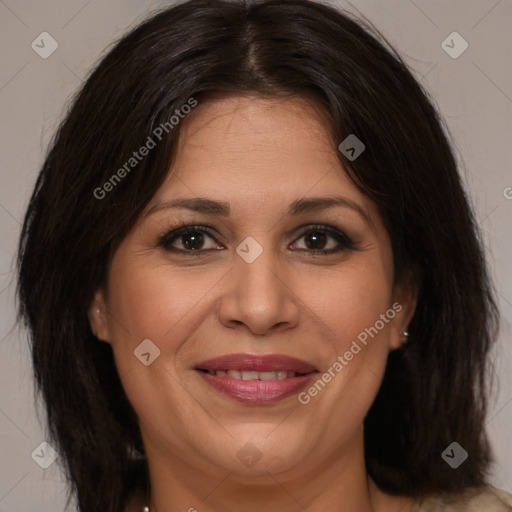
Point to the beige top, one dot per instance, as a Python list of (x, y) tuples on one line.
[(486, 499)]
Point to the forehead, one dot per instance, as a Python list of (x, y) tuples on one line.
[(237, 126), (247, 148)]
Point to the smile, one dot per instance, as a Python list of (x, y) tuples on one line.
[(256, 379), (252, 375)]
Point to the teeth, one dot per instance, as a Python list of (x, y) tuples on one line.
[(253, 375), (247, 375)]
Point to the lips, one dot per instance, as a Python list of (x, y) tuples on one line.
[(256, 379), (257, 363)]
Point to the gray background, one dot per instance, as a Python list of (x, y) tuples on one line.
[(473, 91)]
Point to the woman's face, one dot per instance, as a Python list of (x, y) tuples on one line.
[(261, 182)]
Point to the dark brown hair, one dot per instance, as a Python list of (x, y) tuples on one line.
[(434, 390)]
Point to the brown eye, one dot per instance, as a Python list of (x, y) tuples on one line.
[(323, 239), (315, 240), (189, 239), (192, 241)]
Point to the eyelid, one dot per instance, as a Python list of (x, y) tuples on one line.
[(173, 233), (340, 236)]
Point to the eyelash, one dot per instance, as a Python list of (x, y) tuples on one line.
[(165, 240)]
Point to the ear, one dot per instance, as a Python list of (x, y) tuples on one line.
[(405, 297), (97, 314)]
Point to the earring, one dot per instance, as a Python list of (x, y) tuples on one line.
[(405, 336)]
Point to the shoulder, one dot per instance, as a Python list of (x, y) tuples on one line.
[(481, 499)]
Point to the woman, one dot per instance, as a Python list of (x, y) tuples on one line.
[(253, 279)]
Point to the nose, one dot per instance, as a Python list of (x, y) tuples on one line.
[(259, 297)]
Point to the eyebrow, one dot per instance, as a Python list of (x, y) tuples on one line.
[(297, 207), (196, 204)]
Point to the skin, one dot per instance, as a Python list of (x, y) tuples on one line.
[(259, 155)]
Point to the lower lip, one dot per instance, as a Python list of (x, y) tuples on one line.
[(256, 391)]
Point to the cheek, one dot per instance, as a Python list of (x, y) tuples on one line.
[(353, 300), (349, 309), (156, 303), (166, 307)]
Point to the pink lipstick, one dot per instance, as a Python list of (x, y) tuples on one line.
[(256, 379)]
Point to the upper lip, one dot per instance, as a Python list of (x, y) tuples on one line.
[(258, 363)]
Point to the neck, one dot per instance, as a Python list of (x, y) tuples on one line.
[(336, 482)]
